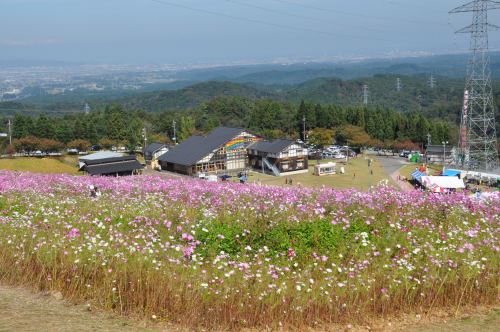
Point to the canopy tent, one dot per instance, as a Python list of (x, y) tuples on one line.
[(417, 175), (450, 172), (441, 183)]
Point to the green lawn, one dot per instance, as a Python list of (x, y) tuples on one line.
[(408, 169), (357, 176), (40, 165)]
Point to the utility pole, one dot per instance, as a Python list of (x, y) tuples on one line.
[(444, 154), (144, 140), (477, 140), (174, 138), (304, 127), (398, 84), (10, 132), (366, 93), (432, 82)]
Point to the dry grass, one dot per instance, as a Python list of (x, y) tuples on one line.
[(357, 176), (39, 165)]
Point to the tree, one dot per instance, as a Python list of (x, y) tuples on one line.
[(79, 144), (63, 132), (27, 144), (50, 145), (186, 128), (354, 136), (321, 137), (22, 126), (44, 127), (107, 143)]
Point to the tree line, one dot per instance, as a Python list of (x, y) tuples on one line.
[(116, 125)]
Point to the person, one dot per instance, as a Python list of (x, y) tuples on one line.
[(286, 180), (97, 192), (290, 181), (93, 193)]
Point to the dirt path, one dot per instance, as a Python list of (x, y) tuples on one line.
[(23, 311)]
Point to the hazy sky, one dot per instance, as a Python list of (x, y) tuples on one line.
[(164, 31)]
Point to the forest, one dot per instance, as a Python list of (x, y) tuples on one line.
[(118, 125)]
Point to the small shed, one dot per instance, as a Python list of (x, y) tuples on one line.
[(98, 155), (117, 166), (325, 169)]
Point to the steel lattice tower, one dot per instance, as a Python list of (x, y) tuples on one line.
[(477, 142), (366, 93)]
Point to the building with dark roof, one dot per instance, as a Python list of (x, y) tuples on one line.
[(278, 157), (115, 166), (153, 151), (437, 154), (222, 151)]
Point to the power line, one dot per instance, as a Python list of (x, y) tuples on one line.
[(242, 3), (240, 18), (336, 11)]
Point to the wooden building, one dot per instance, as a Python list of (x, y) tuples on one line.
[(152, 152), (223, 151), (278, 157)]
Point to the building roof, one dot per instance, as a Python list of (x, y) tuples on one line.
[(112, 165), (439, 148), (195, 148), (109, 160), (101, 155), (153, 147), (275, 146)]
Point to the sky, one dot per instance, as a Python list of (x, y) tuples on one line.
[(187, 31)]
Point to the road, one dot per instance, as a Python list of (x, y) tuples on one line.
[(392, 165)]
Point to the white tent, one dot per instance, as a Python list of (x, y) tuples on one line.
[(440, 183)]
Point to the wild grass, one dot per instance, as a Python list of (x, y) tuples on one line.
[(38, 165), (230, 256)]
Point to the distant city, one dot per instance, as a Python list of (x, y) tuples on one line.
[(25, 79)]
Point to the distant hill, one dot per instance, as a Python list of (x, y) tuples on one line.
[(191, 96)]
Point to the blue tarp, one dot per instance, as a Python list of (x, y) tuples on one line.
[(417, 175), (450, 172)]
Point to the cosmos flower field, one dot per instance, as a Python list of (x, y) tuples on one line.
[(230, 256)]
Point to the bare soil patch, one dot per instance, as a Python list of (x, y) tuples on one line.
[(23, 310)]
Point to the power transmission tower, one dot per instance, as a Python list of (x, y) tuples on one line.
[(366, 93), (432, 82), (477, 141), (86, 109), (398, 84)]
